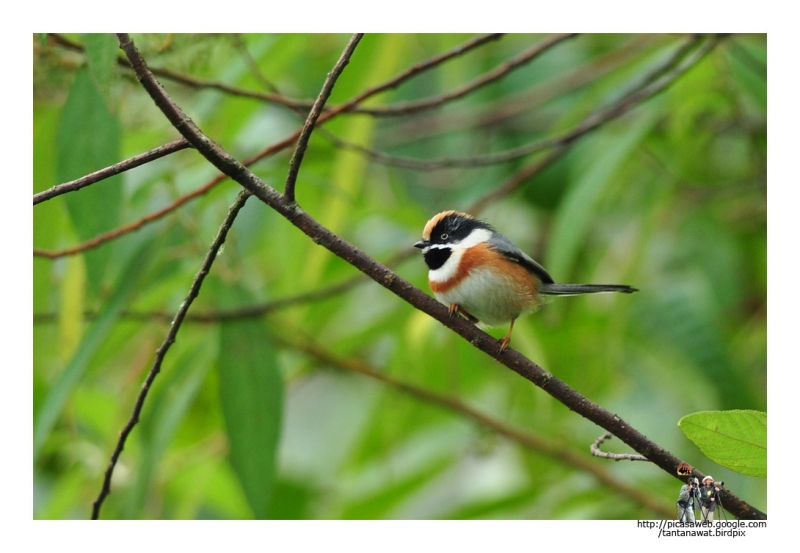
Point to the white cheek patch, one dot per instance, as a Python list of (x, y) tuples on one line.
[(450, 267), (477, 236)]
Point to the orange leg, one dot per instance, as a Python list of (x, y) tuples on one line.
[(507, 339)]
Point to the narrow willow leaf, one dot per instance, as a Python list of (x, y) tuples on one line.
[(251, 394), (734, 439), (88, 139), (101, 54), (57, 396)]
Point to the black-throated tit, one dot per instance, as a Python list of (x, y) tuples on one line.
[(482, 275)]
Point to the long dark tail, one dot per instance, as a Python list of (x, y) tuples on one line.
[(575, 289)]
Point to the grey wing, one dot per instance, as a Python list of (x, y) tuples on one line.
[(506, 247)]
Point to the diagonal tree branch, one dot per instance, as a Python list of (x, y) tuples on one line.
[(404, 289), (110, 171), (656, 82), (407, 108), (156, 215), (194, 290), (194, 82), (313, 115)]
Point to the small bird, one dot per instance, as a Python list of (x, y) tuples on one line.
[(483, 276)]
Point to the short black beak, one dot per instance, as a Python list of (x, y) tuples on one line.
[(422, 244)]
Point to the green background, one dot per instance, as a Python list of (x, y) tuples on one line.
[(260, 417)]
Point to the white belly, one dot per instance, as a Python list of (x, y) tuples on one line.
[(491, 298)]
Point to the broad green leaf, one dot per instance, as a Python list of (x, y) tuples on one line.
[(734, 439), (57, 396), (88, 139), (251, 393), (297, 500), (101, 54)]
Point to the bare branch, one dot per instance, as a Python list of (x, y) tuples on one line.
[(313, 115), (597, 452), (405, 290), (255, 70), (110, 171), (407, 108), (641, 93), (515, 104), (194, 82), (415, 70), (194, 290), (245, 312), (135, 225)]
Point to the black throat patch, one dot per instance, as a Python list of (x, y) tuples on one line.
[(436, 257)]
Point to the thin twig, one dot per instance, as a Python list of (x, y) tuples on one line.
[(195, 82), (513, 105), (194, 290), (110, 171), (404, 289), (291, 103), (416, 106), (641, 93), (415, 70), (313, 115), (255, 70), (245, 312), (130, 227), (597, 452)]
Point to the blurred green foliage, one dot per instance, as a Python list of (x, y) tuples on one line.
[(670, 198)]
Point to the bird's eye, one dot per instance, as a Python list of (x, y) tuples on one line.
[(445, 236)]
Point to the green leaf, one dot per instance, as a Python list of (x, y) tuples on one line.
[(251, 393), (57, 396), (734, 439), (101, 55), (88, 139)]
